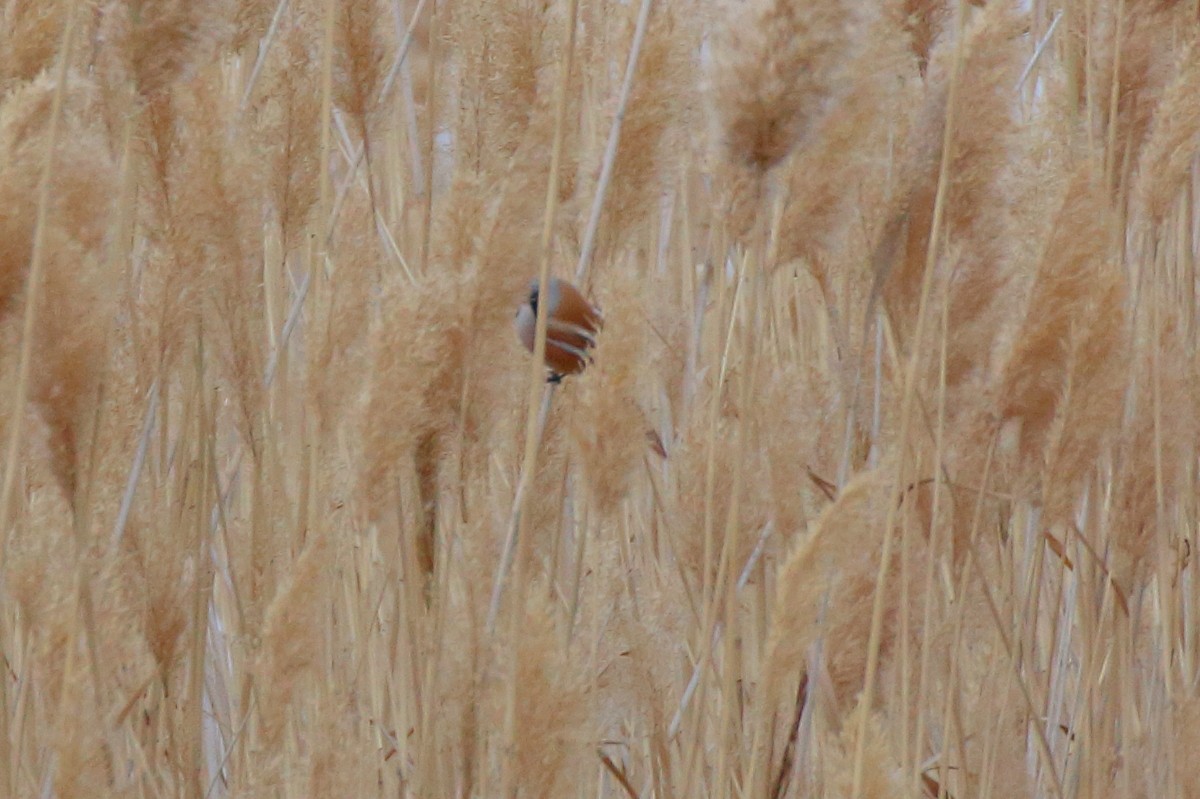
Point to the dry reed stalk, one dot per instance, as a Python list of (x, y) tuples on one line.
[(903, 472), (703, 465), (612, 146), (519, 526), (661, 105), (251, 20), (883, 777), (1129, 71)]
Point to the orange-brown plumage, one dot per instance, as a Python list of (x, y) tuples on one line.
[(571, 326)]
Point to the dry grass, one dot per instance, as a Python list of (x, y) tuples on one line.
[(883, 482)]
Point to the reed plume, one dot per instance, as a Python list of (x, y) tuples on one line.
[(777, 67), (881, 480)]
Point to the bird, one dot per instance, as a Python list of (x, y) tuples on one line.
[(572, 324)]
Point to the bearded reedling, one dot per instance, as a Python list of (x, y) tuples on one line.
[(571, 327)]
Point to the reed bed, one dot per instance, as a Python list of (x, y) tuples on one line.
[(883, 482)]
